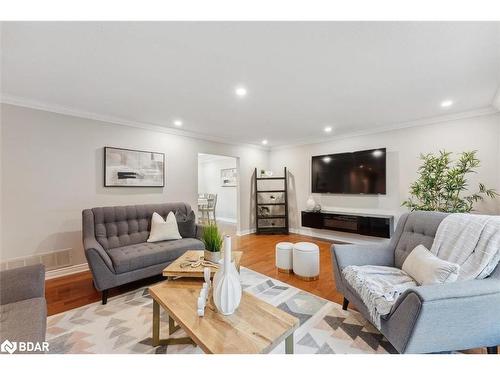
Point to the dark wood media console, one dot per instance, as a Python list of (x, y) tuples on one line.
[(359, 223)]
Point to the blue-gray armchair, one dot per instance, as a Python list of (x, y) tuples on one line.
[(431, 318)]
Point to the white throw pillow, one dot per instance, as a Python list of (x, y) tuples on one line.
[(162, 230), (426, 268)]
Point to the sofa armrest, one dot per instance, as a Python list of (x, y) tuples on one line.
[(444, 317), (199, 231), (22, 283), (461, 289), (361, 255), (91, 245)]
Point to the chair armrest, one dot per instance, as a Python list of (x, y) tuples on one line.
[(444, 317), (461, 289), (199, 231), (361, 255), (91, 245), (22, 283)]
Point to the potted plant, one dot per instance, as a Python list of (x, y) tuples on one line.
[(442, 184), (212, 239)]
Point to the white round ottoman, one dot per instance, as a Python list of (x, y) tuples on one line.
[(284, 257), (306, 261)]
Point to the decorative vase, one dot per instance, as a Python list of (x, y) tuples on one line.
[(310, 204), (227, 286), (212, 256)]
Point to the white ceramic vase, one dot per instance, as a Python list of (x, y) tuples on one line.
[(227, 285), (310, 204)]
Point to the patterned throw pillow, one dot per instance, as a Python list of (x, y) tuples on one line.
[(186, 224)]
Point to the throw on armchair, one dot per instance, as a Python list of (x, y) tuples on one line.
[(114, 239), (431, 318)]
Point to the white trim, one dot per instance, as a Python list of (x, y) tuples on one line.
[(41, 106), (23, 102), (244, 232), (496, 100), (65, 271), (409, 124), (338, 236), (227, 220)]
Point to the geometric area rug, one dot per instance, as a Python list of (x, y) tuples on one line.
[(123, 326)]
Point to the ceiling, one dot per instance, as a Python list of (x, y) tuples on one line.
[(300, 76)]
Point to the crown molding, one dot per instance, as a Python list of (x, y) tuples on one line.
[(41, 106), (409, 124), (23, 102)]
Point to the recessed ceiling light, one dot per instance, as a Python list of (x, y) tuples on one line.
[(328, 129), (178, 123), (264, 141), (446, 103), (240, 91)]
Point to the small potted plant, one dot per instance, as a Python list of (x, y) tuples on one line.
[(212, 239)]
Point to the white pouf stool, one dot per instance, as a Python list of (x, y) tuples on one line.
[(284, 257), (306, 261)]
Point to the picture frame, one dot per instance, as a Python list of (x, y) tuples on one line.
[(125, 167), (229, 177)]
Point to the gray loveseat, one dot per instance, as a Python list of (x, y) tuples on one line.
[(23, 309), (114, 239), (431, 318)]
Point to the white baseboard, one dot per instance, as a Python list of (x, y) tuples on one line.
[(244, 232), (338, 236), (65, 271), (227, 220)]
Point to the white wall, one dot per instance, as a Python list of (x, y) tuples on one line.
[(209, 182), (53, 169), (403, 148)]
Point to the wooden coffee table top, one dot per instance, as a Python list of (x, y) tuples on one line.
[(255, 327), (174, 269)]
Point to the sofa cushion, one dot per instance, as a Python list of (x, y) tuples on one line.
[(24, 320), (127, 225), (420, 229), (137, 256), (163, 230)]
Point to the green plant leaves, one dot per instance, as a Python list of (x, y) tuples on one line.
[(441, 184), (212, 238)]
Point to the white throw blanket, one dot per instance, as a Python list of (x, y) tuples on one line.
[(378, 286), (471, 241)]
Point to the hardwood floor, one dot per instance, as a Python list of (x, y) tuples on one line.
[(68, 292)]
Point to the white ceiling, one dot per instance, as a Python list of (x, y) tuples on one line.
[(301, 76)]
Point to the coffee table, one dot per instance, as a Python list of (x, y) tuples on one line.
[(174, 269), (255, 327)]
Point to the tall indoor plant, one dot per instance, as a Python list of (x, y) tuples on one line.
[(212, 239), (442, 184)]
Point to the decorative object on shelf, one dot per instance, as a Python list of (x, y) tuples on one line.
[(442, 182), (228, 177), (133, 168), (226, 284), (262, 173), (271, 205), (317, 207), (311, 203), (212, 240)]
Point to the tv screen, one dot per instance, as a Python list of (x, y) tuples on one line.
[(361, 172)]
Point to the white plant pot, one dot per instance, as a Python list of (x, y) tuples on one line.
[(212, 256), (227, 285)]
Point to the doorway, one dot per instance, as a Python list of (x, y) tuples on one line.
[(218, 192)]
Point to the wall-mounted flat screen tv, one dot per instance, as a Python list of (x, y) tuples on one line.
[(360, 172)]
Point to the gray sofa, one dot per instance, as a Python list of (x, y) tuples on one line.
[(23, 309), (114, 239), (432, 318)]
